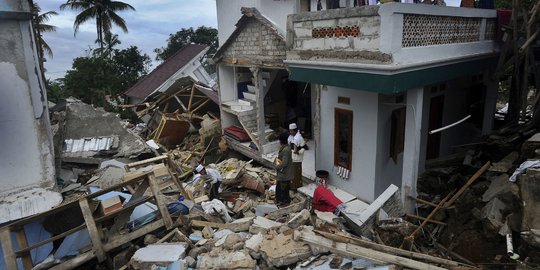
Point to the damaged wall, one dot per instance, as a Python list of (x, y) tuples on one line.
[(27, 160), (229, 13)]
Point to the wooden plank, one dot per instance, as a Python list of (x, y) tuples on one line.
[(160, 202), (146, 161), (48, 240), (350, 250), (23, 243), (120, 239), (93, 230), (469, 183), (387, 249), (423, 218), (73, 263), (127, 210), (7, 247), (179, 234), (191, 97)]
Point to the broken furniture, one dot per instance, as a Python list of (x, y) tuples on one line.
[(101, 241)]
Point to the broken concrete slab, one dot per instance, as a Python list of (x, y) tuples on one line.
[(228, 242), (499, 186), (225, 260), (158, 254), (109, 177), (263, 225), (505, 164), (254, 243), (492, 212), (283, 250), (362, 219), (262, 209), (85, 124), (299, 219)]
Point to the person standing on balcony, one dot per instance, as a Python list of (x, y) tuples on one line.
[(284, 171), (298, 146)]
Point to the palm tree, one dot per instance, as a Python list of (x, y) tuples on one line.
[(103, 11), (40, 22), (110, 41)]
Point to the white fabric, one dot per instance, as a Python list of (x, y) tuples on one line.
[(523, 167), (199, 168), (298, 141), (212, 174), (216, 207), (292, 126)]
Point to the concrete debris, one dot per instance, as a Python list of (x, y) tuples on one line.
[(263, 225), (226, 260), (159, 255), (299, 219), (282, 250), (500, 186)]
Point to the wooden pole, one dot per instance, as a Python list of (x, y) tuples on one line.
[(167, 220), (469, 183), (355, 251), (7, 248), (93, 230), (387, 249)]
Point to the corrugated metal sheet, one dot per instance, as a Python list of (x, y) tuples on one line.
[(89, 144)]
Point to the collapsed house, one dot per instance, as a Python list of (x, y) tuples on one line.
[(186, 62), (372, 84)]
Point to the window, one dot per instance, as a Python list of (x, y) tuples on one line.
[(343, 131), (397, 133)]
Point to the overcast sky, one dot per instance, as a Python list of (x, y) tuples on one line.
[(149, 27)]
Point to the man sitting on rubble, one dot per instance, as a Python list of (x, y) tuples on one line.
[(211, 175)]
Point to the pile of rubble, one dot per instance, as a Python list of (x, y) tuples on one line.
[(137, 203)]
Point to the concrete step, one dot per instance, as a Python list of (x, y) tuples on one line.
[(250, 96)]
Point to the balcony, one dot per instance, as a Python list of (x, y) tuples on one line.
[(389, 39)]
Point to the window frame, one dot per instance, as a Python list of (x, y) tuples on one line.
[(349, 114)]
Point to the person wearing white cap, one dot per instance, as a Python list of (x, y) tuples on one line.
[(298, 146), (213, 176)]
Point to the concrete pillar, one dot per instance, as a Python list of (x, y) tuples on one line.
[(258, 81), (413, 141)]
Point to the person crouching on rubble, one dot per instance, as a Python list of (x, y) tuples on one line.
[(284, 171), (213, 176)]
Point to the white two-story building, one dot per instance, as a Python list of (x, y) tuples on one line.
[(368, 83)]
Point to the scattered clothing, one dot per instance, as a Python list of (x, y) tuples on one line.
[(523, 168), (324, 200)]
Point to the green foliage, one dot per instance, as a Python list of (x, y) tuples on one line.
[(203, 35), (56, 90), (103, 11), (92, 78)]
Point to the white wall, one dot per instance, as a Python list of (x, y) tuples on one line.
[(227, 92), (228, 13), (364, 151)]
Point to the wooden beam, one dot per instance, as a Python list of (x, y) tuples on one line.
[(423, 218), (23, 243), (146, 161), (48, 240), (73, 263), (200, 105), (191, 97), (181, 103), (93, 230), (159, 201), (386, 249), (7, 247), (355, 251), (120, 239), (469, 183)]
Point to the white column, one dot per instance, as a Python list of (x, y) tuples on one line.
[(413, 141)]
